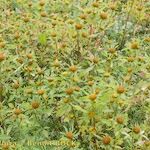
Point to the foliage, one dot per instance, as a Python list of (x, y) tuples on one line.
[(75, 70)]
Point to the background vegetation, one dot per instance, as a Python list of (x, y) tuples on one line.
[(75, 70)]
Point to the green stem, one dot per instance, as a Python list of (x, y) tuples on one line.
[(76, 123), (122, 43)]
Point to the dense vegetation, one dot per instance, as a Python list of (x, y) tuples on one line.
[(76, 71)]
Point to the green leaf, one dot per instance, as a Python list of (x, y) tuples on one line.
[(77, 107), (42, 39)]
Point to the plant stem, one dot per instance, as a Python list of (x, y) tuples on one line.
[(76, 123), (122, 43)]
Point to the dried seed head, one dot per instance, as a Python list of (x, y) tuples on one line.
[(90, 83), (19, 60), (16, 85), (29, 91), (121, 103), (30, 4), (78, 26), (131, 59), (77, 88), (112, 50), (120, 89), (69, 135), (16, 36), (139, 8), (130, 70), (43, 14), (70, 21), (53, 34), (66, 100), (29, 56), (69, 91), (92, 129), (26, 19), (114, 95), (2, 56), (5, 146), (91, 114), (35, 105), (95, 4), (56, 63), (134, 45), (17, 111), (106, 140), (147, 143), (120, 120), (40, 71), (136, 129), (41, 92), (30, 62), (97, 90), (42, 2), (63, 45), (95, 60), (2, 44), (83, 16), (127, 78), (112, 6), (92, 97), (73, 68), (147, 39), (103, 15), (89, 11), (29, 69), (84, 34)]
